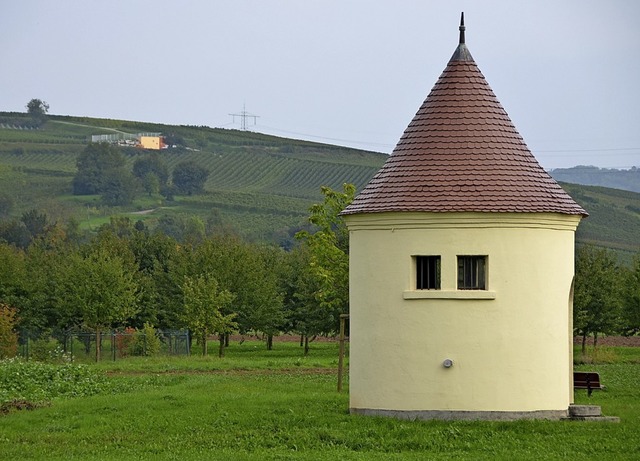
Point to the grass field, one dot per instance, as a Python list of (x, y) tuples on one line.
[(279, 405)]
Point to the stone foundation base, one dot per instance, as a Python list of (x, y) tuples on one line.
[(452, 415)]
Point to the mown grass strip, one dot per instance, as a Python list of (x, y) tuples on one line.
[(281, 415), (261, 408)]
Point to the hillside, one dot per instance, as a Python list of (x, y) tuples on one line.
[(594, 176), (614, 218), (260, 186)]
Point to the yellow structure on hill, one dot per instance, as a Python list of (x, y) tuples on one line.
[(152, 142)]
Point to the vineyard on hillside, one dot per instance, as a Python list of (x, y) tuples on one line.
[(259, 186)]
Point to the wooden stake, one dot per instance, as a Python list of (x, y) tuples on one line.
[(343, 318)]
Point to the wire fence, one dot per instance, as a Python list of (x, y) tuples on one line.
[(107, 345)]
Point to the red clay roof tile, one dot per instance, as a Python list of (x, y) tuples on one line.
[(461, 152)]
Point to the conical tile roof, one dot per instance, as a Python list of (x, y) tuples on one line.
[(462, 153)]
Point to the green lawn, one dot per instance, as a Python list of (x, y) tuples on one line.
[(278, 405)]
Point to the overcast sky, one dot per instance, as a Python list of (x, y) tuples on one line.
[(347, 72)]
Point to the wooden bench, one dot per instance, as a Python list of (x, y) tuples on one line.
[(588, 380)]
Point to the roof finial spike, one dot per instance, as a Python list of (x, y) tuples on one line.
[(462, 28)]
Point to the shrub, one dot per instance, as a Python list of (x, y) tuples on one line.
[(8, 335), (593, 355), (125, 341), (38, 382), (48, 350), (146, 342)]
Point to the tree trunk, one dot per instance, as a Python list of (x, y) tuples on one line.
[(301, 340), (595, 341), (86, 340), (221, 348), (97, 345), (269, 342), (584, 343), (226, 339), (204, 344), (306, 345)]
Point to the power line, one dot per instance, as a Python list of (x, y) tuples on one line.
[(326, 138), (594, 150), (622, 151), (244, 115)]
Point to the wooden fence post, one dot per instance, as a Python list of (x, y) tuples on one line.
[(343, 319)]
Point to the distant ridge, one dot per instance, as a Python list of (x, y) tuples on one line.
[(594, 176)]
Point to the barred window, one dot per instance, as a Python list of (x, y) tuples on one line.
[(427, 272), (472, 273)]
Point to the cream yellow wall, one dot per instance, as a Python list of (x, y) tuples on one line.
[(150, 142), (510, 345)]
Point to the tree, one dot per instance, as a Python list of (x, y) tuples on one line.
[(42, 308), (35, 222), (204, 304), (631, 294), (13, 277), (94, 164), (8, 335), (156, 258), (269, 315), (243, 270), (37, 109), (6, 205), (189, 177), (118, 188), (101, 170), (152, 171), (99, 290), (329, 252), (73, 232), (151, 184), (597, 299), (183, 228), (173, 139), (15, 233), (21, 233), (118, 226), (326, 215), (304, 314), (151, 163)]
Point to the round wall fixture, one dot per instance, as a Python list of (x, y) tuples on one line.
[(447, 363)]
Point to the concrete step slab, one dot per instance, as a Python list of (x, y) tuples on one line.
[(585, 410)]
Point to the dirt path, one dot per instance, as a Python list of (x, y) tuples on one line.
[(89, 126), (628, 341), (232, 372), (143, 212)]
